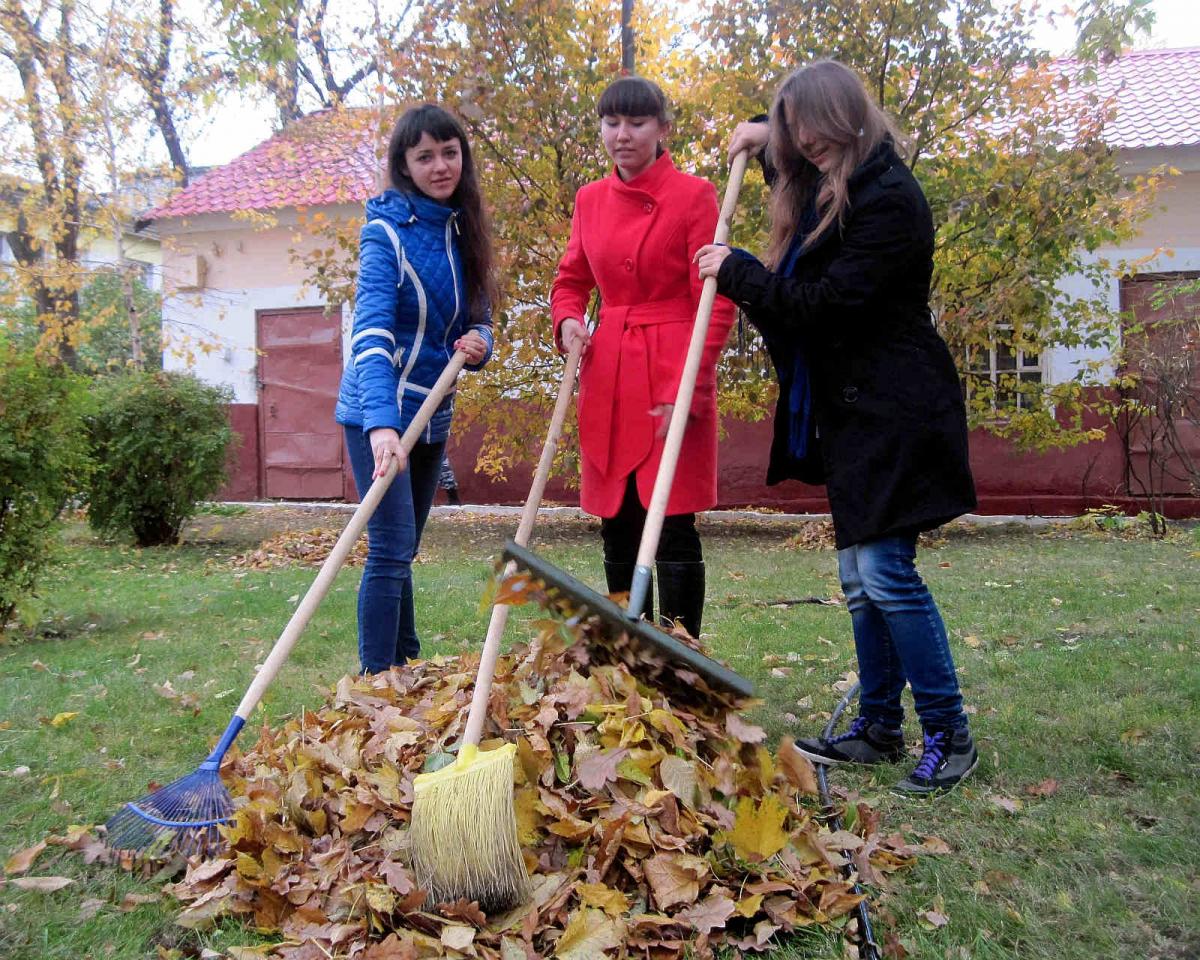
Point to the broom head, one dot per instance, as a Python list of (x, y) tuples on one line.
[(181, 817), (463, 834)]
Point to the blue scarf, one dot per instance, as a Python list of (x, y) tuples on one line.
[(800, 394)]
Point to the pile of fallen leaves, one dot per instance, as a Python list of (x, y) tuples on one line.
[(654, 822), (299, 546)]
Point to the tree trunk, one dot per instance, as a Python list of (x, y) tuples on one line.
[(627, 39)]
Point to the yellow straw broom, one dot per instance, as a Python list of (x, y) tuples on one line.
[(463, 836)]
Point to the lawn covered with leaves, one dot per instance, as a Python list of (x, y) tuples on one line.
[(1077, 837)]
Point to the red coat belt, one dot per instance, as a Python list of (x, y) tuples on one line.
[(617, 430)]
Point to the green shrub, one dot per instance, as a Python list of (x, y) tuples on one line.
[(159, 441), (43, 462)]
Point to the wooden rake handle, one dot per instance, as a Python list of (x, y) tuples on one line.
[(491, 643), (345, 543), (657, 511)]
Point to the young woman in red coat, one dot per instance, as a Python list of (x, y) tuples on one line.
[(633, 236)]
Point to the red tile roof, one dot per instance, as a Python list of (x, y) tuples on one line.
[(324, 158), (1157, 97)]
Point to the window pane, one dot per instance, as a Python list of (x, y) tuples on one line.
[(1030, 360), (1031, 376), (1006, 359)]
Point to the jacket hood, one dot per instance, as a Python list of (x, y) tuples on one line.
[(397, 207)]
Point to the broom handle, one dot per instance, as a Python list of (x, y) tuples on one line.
[(657, 511), (491, 644), (345, 543)]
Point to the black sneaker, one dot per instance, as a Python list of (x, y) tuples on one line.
[(949, 756), (864, 742)]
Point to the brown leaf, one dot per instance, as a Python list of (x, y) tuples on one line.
[(132, 901), (41, 884), (22, 860), (744, 732), (1047, 788), (710, 913), (674, 878), (934, 918), (600, 769), (797, 768)]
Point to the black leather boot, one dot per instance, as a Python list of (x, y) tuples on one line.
[(620, 579), (681, 594)]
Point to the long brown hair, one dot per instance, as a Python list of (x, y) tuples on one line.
[(475, 237), (829, 102)]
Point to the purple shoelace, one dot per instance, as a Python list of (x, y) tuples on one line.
[(932, 755), (858, 727)]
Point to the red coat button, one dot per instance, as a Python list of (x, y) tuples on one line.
[(629, 265), (649, 207)]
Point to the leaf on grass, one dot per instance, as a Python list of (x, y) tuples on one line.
[(89, 908), (1008, 804), (1047, 788), (22, 860), (935, 845), (758, 828), (41, 884), (132, 901), (589, 935), (934, 918), (62, 719)]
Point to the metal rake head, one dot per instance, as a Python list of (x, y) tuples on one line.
[(181, 817)]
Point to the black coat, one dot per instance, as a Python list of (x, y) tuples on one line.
[(889, 436)]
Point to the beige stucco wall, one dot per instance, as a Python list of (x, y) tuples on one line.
[(212, 329), (241, 253)]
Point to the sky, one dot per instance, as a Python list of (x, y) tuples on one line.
[(243, 124)]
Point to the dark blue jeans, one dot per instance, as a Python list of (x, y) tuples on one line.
[(898, 635), (387, 629)]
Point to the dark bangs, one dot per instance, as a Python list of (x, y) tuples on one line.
[(415, 123), (633, 97)]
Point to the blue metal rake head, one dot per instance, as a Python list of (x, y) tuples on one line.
[(181, 817)]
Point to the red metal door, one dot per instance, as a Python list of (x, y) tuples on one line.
[(299, 368), (1163, 347)]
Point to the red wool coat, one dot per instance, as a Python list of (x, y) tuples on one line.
[(635, 242)]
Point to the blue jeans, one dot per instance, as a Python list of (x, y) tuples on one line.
[(387, 629), (898, 635)]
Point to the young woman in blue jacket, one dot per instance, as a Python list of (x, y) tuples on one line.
[(425, 289)]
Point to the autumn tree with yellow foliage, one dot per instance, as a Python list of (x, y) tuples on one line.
[(1009, 149)]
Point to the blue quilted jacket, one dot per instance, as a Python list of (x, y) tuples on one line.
[(410, 307)]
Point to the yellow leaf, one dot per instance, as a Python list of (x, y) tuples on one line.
[(62, 719), (603, 896), (758, 830)]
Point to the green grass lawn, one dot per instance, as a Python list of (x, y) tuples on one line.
[(1078, 837)]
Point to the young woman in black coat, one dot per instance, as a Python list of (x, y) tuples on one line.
[(869, 398)]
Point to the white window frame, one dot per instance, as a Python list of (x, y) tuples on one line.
[(1021, 368)]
